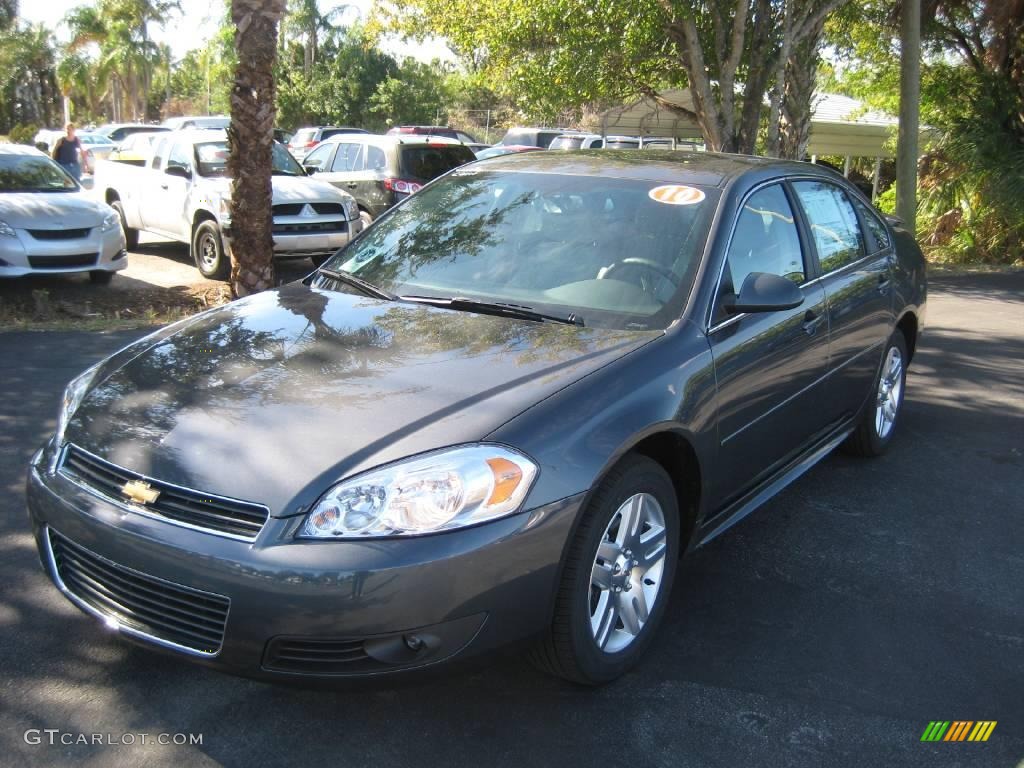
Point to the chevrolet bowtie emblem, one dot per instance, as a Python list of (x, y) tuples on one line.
[(139, 492)]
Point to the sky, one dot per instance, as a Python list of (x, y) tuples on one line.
[(200, 18)]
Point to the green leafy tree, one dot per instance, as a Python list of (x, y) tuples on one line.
[(414, 95)]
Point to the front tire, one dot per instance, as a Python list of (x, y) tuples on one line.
[(131, 236), (881, 416), (208, 251), (617, 578)]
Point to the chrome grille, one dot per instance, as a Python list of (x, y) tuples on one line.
[(217, 514), (141, 605), (294, 209)]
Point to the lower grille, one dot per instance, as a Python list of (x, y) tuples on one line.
[(59, 234), (242, 519), (312, 656), (141, 605), (63, 262)]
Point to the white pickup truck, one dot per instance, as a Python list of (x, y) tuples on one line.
[(182, 192)]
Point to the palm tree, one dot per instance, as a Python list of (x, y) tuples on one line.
[(305, 18), (251, 136)]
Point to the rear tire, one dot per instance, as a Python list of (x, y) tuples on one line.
[(616, 584), (100, 277), (208, 251), (131, 236), (881, 415)]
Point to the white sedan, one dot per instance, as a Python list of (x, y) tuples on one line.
[(48, 224)]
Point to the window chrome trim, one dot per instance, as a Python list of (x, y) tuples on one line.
[(138, 509), (112, 622)]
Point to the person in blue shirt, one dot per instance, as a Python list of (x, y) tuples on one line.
[(67, 152)]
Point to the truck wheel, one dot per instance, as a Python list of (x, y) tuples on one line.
[(208, 251), (131, 236)]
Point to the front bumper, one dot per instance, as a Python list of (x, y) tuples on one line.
[(96, 251), (455, 594)]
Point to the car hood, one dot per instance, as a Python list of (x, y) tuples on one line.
[(50, 210), (275, 397), (302, 189)]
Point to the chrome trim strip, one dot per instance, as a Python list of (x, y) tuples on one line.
[(140, 510), (795, 395), (111, 621)]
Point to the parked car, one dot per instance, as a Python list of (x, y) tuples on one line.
[(304, 139), (47, 223), (116, 132), (504, 149), (432, 130), (183, 193), (380, 171), (500, 415), (207, 122), (136, 149), (577, 141), (532, 137), (92, 153)]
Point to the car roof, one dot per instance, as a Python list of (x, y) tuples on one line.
[(393, 139), (712, 169), (21, 149)]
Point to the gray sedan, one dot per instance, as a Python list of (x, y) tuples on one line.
[(48, 224)]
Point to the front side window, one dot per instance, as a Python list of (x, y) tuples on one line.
[(765, 240), (602, 248), (180, 155), (833, 223), (319, 157), (349, 157)]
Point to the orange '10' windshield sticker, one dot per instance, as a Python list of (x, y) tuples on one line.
[(676, 194)]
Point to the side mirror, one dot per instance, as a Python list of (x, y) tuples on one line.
[(312, 167), (766, 292), (178, 170)]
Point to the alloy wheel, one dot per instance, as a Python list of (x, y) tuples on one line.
[(890, 388), (627, 572)]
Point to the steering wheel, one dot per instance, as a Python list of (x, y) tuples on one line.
[(638, 261)]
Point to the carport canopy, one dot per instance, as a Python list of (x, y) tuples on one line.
[(839, 125)]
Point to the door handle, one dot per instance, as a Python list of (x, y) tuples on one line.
[(884, 282), (811, 322)]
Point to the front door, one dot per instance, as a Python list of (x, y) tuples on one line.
[(768, 365)]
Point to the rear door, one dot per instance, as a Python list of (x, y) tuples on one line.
[(856, 273), (769, 366)]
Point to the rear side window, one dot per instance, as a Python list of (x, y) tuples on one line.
[(833, 222), (622, 144), (376, 160), (874, 225), (158, 153), (425, 162), (545, 139), (765, 240)]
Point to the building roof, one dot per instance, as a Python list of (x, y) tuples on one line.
[(839, 125)]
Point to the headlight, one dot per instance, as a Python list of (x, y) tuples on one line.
[(441, 491), (224, 208), (6, 230), (73, 395), (351, 209), (111, 221)]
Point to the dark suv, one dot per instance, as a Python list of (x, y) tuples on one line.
[(305, 139), (378, 171)]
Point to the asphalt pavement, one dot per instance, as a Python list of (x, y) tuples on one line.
[(827, 629)]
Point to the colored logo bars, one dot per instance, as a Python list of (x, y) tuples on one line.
[(958, 730)]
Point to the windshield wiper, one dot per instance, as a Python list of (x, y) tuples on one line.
[(357, 282), (520, 311)]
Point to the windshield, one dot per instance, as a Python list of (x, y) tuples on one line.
[(25, 173), (601, 248), (212, 159), (567, 142)]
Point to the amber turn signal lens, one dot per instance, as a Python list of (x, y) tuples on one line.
[(507, 477)]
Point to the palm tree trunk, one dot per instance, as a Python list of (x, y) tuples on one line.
[(251, 137)]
